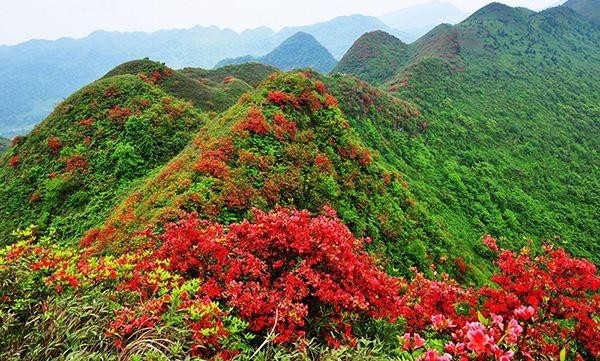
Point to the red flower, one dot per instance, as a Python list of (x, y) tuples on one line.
[(14, 161)]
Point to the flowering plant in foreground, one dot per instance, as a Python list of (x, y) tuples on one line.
[(301, 276)]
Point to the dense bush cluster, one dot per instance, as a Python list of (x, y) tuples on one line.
[(204, 289)]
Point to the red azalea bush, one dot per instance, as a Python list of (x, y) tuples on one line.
[(555, 293), (306, 276), (284, 270), (54, 144)]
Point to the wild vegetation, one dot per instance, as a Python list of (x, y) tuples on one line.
[(510, 104), (70, 169), (244, 213)]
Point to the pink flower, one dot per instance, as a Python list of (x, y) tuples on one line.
[(507, 356), (513, 332), (417, 342), (432, 355), (441, 322), (524, 313), (498, 321), (478, 339)]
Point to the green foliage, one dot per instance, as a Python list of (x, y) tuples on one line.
[(205, 94), (92, 148), (374, 57), (251, 73), (510, 99)]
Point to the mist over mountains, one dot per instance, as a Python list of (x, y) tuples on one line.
[(37, 74)]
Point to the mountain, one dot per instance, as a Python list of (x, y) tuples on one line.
[(204, 93), (426, 219), (4, 144), (287, 144), (251, 73), (93, 147), (301, 50), (338, 34), (419, 19), (374, 57), (586, 8), (511, 148), (38, 74)]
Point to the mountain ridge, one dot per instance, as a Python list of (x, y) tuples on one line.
[(300, 50)]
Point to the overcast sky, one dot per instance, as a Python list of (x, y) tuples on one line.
[(22, 20)]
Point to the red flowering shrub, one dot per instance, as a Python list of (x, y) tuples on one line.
[(76, 162), (254, 122), (86, 122), (423, 298), (557, 295), (119, 114), (54, 144), (111, 91), (283, 270), (277, 97), (331, 101), (14, 161), (283, 127)]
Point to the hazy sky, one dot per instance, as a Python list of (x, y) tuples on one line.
[(21, 20)]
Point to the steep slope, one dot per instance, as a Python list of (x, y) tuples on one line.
[(511, 142), (301, 50), (205, 94), (288, 144), (251, 73), (72, 167), (586, 8), (418, 19), (374, 57)]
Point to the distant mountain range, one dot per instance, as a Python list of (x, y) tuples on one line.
[(37, 74), (301, 50)]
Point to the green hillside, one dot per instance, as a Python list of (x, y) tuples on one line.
[(72, 167), (586, 8), (288, 144), (374, 57), (510, 99), (205, 94), (251, 73)]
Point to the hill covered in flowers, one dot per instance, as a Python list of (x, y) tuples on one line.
[(245, 213)]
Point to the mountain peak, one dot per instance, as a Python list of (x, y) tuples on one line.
[(301, 50), (500, 12), (374, 57)]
